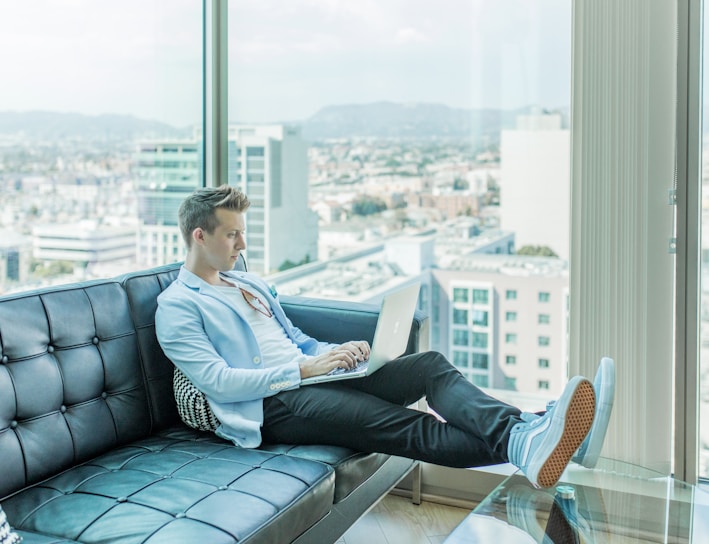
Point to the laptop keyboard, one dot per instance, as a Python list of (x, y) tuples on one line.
[(339, 370)]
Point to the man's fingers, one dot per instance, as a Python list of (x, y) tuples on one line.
[(344, 357)]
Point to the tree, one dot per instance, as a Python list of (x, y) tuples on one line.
[(367, 205), (461, 184), (536, 251), (287, 264)]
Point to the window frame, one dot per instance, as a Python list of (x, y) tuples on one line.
[(688, 195), (688, 239)]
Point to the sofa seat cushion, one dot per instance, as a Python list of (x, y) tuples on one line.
[(352, 468), (177, 486)]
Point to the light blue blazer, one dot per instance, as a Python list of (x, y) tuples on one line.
[(206, 337)]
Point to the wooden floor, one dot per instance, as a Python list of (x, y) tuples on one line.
[(396, 520)]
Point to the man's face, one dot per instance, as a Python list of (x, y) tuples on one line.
[(222, 247)]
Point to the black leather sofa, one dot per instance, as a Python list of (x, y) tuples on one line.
[(92, 448)]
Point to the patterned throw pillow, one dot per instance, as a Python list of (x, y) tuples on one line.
[(192, 405), (7, 535)]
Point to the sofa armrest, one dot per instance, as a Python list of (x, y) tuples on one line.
[(341, 321)]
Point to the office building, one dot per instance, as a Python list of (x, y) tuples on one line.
[(269, 162), (167, 171), (85, 243), (502, 320), (534, 182)]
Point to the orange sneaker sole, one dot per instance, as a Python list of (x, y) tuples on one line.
[(579, 418)]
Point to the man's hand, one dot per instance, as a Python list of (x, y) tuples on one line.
[(346, 355), (358, 348)]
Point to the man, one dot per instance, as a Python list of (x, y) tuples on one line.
[(229, 335)]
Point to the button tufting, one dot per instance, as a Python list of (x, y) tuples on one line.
[(5, 359), (121, 499), (62, 408), (223, 488), (95, 340), (50, 349), (13, 424), (104, 395), (180, 515)]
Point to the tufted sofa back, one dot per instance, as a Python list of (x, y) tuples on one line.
[(71, 380), (143, 289)]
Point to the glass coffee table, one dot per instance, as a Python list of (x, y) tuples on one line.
[(614, 502)]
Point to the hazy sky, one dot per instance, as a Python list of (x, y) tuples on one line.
[(287, 58)]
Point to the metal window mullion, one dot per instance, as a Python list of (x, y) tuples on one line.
[(215, 120), (688, 262)]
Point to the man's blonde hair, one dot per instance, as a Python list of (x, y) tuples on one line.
[(197, 210)]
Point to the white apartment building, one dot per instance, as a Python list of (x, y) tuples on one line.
[(84, 242), (535, 182), (270, 163), (503, 321)]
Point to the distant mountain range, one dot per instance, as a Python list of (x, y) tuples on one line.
[(47, 125), (389, 119), (379, 119)]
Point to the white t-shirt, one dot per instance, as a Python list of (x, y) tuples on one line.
[(276, 347)]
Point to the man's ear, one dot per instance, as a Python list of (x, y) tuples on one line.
[(198, 235)]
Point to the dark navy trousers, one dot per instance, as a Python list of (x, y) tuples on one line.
[(371, 415)]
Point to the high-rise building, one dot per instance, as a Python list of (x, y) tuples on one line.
[(535, 182), (268, 162), (167, 172)]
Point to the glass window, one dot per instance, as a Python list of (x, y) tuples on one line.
[(480, 380), (380, 162), (543, 363), (480, 360), (105, 139), (510, 383), (543, 340), (460, 358), (543, 385), (543, 319), (460, 317), (480, 318), (460, 294), (480, 296), (510, 338), (544, 296), (510, 316), (480, 339), (511, 359), (460, 337), (255, 164)]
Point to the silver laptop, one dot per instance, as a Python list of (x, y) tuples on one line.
[(390, 337)]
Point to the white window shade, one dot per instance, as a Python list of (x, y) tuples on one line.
[(622, 166)]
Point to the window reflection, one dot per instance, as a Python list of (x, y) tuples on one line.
[(99, 136)]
